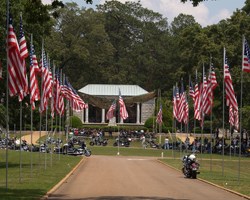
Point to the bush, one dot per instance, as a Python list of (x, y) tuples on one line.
[(151, 123), (75, 122)]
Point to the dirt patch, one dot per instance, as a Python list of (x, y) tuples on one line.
[(35, 137)]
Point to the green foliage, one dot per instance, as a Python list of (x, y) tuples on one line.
[(75, 122), (122, 43), (2, 115)]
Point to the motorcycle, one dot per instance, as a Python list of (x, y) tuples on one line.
[(122, 141), (98, 141), (190, 168), (86, 151)]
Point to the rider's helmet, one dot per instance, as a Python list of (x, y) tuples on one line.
[(192, 157)]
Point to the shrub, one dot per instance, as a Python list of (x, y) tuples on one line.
[(75, 122)]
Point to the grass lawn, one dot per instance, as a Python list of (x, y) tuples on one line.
[(33, 180)]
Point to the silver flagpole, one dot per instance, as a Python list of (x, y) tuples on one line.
[(223, 110), (241, 102), (196, 82), (7, 94), (173, 123), (31, 126), (52, 100), (20, 145), (41, 103), (211, 118)]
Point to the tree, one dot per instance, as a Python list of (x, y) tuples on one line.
[(195, 2)]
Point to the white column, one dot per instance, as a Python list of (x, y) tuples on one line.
[(121, 120), (82, 116), (138, 113), (103, 115), (87, 114)]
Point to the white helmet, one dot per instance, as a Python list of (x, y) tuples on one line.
[(192, 157)]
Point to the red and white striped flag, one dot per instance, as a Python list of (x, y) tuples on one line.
[(230, 95), (159, 116), (34, 70), (46, 83), (110, 113), (197, 102), (246, 56), (123, 110), (16, 71), (231, 100), (24, 54)]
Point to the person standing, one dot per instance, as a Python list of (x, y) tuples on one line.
[(166, 145)]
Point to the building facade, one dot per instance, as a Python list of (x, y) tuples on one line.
[(140, 104)]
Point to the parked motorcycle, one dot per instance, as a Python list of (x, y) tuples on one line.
[(190, 166), (98, 141), (122, 141)]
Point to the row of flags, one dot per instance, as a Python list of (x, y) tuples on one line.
[(202, 94), (54, 88)]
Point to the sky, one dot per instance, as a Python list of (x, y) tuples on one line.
[(206, 13)]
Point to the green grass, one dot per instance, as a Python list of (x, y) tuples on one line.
[(33, 180)]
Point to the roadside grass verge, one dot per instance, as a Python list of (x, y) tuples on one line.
[(32, 181)]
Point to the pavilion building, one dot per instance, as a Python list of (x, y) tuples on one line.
[(140, 104)]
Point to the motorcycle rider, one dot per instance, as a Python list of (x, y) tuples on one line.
[(188, 160)]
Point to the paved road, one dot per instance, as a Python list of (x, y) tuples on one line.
[(118, 177)]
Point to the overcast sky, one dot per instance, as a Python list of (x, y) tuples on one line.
[(207, 13)]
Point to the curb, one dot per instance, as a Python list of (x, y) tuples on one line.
[(205, 181), (46, 196)]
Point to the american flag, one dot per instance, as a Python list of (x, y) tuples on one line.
[(58, 98), (16, 71), (159, 116), (46, 83), (191, 91), (70, 94), (233, 117), (230, 95), (123, 110), (182, 104), (246, 56), (175, 111), (197, 102), (110, 113), (24, 54), (34, 69), (231, 100), (186, 112), (211, 85), (176, 103)]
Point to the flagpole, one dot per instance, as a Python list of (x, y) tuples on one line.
[(223, 110), (20, 145), (52, 120), (7, 93), (241, 103), (31, 125), (41, 103), (202, 111), (211, 118), (173, 125), (196, 82)]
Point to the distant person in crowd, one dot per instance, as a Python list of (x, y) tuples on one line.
[(166, 144)]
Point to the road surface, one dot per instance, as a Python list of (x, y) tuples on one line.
[(134, 178)]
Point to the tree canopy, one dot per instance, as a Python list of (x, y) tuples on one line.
[(125, 43)]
